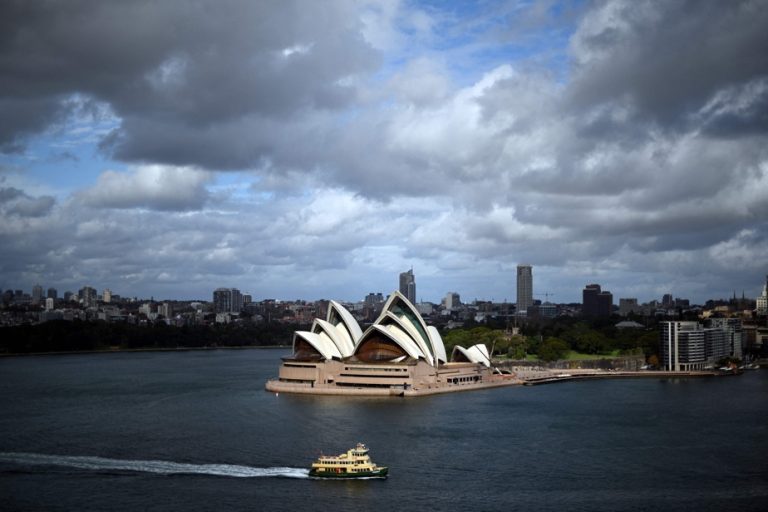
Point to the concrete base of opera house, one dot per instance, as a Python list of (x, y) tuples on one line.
[(355, 378), (421, 379), (276, 386)]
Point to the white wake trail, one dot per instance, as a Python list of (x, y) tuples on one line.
[(150, 466)]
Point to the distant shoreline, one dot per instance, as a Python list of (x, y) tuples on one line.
[(148, 349)]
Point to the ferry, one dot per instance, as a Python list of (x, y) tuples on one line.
[(356, 463)]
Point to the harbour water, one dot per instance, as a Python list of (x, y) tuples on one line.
[(196, 431)]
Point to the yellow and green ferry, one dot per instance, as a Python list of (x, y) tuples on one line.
[(356, 463)]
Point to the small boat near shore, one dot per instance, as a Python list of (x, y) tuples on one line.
[(355, 463)]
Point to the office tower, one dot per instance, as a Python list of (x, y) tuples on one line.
[(734, 336), (165, 310), (227, 300), (49, 304), (53, 294), (408, 285), (689, 346), (596, 302), (524, 288), (627, 306), (106, 295), (87, 296), (373, 299), (452, 300), (37, 294)]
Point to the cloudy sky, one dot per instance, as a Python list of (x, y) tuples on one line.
[(316, 149)]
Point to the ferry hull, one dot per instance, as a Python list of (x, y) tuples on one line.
[(378, 473)]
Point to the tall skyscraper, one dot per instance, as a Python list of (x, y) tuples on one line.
[(524, 288), (88, 296), (37, 294), (227, 300), (452, 300), (596, 302), (408, 285)]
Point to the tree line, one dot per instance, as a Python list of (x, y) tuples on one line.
[(553, 339), (548, 340), (78, 335)]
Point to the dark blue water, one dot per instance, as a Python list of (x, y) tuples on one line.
[(196, 431)]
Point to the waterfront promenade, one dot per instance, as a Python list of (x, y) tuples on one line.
[(531, 376), (520, 376)]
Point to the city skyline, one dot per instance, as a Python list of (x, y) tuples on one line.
[(406, 282), (614, 142)]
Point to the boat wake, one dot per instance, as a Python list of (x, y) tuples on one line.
[(100, 464)]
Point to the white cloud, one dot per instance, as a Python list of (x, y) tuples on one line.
[(378, 140), (155, 187)]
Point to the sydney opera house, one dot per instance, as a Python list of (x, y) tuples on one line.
[(399, 354)]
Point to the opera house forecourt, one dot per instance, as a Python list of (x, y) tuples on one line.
[(398, 355)]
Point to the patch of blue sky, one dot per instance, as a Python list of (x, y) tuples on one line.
[(62, 163), (472, 38), (237, 187), (66, 157)]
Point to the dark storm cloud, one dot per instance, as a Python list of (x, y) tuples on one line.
[(8, 193), (666, 60), (177, 66), (21, 117), (16, 202)]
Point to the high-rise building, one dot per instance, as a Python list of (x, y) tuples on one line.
[(452, 300), (227, 300), (37, 294), (524, 288), (49, 303), (596, 302), (627, 306), (106, 295), (88, 296), (52, 294), (408, 285), (734, 337), (689, 346), (373, 299), (165, 309)]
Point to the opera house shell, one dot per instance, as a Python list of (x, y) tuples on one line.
[(399, 354)]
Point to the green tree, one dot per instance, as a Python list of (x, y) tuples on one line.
[(552, 349), (518, 346), (591, 342)]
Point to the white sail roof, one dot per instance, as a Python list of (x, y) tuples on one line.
[(393, 335), (322, 343), (338, 336), (399, 307), (437, 343), (474, 354), (394, 322), (344, 321)]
